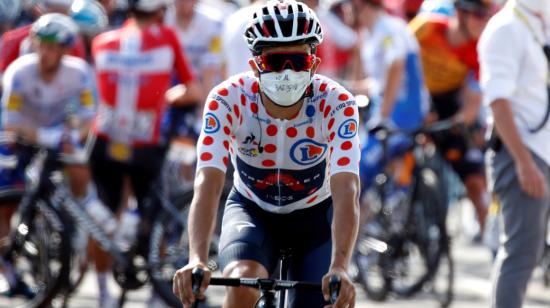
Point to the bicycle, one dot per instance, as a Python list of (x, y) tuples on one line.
[(272, 291), (405, 243), (39, 245)]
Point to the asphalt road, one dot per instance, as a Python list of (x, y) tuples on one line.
[(472, 282)]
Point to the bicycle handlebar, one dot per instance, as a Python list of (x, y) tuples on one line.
[(266, 284)]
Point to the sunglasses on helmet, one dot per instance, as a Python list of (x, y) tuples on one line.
[(279, 61)]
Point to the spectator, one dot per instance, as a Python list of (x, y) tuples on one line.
[(515, 85)]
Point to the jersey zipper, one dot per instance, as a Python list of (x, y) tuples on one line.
[(280, 153)]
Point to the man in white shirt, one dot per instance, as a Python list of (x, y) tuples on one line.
[(514, 82)]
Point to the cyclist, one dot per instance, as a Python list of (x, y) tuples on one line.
[(394, 84), (16, 42), (91, 18), (199, 31), (292, 138), (41, 92), (451, 70), (133, 67)]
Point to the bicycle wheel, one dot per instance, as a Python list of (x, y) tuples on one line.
[(169, 248), (442, 283), (425, 236), (40, 253), (372, 268)]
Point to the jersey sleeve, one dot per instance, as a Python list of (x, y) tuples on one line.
[(181, 65), (219, 124), (87, 97), (12, 99), (341, 119)]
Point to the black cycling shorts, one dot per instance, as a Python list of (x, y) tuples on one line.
[(251, 233), (108, 174), (464, 158)]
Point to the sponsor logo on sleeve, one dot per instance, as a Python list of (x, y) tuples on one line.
[(348, 129), (211, 123)]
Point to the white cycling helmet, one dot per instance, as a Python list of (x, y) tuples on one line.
[(55, 27), (148, 5), (283, 22), (90, 16), (9, 10)]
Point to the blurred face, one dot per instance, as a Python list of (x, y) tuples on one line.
[(365, 13), (474, 22), (49, 55), (184, 8)]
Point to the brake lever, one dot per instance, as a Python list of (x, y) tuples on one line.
[(334, 288)]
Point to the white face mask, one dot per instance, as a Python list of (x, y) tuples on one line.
[(285, 88)]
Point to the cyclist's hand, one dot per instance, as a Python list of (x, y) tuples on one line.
[(182, 285), (531, 179), (346, 296)]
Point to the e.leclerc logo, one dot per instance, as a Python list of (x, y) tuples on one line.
[(348, 129), (307, 152), (211, 123)]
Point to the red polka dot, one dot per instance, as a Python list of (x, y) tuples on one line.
[(223, 92), (310, 132), (331, 150), (241, 120), (268, 163), (343, 97), (206, 156), (226, 144), (291, 132), (349, 111), (208, 140), (331, 136), (344, 161), (346, 145), (323, 87), (255, 87), (241, 81), (243, 100), (270, 148), (271, 130), (330, 123), (237, 111), (230, 119), (234, 85), (327, 111), (312, 199), (254, 107), (213, 105), (225, 161), (322, 105), (226, 130)]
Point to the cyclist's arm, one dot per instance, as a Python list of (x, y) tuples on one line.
[(394, 77), (193, 92), (343, 139), (212, 160), (202, 214), (345, 195), (472, 102)]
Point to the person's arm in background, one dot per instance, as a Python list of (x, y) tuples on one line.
[(392, 86), (188, 92), (500, 66), (472, 99)]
